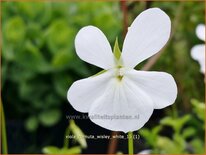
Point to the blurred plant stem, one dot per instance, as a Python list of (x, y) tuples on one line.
[(3, 131), (174, 111), (125, 17), (66, 141), (130, 143)]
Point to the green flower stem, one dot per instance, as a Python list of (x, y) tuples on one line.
[(66, 141), (130, 143), (3, 131)]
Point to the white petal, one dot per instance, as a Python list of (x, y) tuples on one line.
[(93, 47), (198, 53), (148, 33), (123, 100), (159, 86), (200, 31), (83, 93)]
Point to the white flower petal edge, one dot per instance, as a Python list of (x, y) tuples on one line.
[(159, 86), (122, 99), (93, 47), (83, 93), (146, 36), (200, 31), (198, 53)]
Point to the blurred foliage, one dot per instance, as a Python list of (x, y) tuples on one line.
[(187, 133), (79, 139), (39, 60)]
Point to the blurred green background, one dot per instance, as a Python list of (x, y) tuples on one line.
[(39, 64)]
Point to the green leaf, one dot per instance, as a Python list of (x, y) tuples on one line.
[(31, 123), (167, 145), (30, 9), (14, 30), (78, 133), (198, 146), (99, 73), (14, 33), (60, 35), (151, 135), (61, 82), (180, 142), (51, 150), (72, 150), (61, 59), (199, 109), (34, 88), (116, 50), (177, 124), (34, 33), (32, 58), (79, 67), (50, 117), (188, 132)]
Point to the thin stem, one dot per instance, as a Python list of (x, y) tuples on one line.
[(130, 143), (3, 131), (66, 141), (125, 16), (174, 111)]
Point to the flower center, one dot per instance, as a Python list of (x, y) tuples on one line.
[(120, 73)]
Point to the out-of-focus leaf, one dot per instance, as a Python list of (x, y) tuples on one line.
[(60, 36), (23, 74), (150, 136), (188, 132), (112, 26), (168, 146), (30, 10), (61, 59), (197, 146), (56, 150), (177, 123), (31, 123), (51, 150), (32, 58), (32, 89), (62, 81), (78, 133), (49, 117), (180, 142), (14, 30), (79, 67), (35, 34), (199, 109), (72, 150)]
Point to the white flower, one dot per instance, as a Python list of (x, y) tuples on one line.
[(198, 51), (121, 90)]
